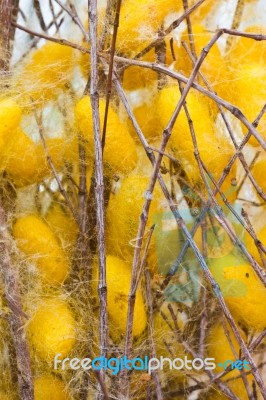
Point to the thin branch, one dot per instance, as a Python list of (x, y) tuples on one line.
[(151, 332), (64, 42), (99, 184), (72, 12), (110, 71)]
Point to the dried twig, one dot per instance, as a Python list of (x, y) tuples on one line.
[(151, 331), (99, 183), (72, 12), (110, 71)]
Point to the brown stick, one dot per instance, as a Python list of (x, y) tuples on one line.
[(99, 185), (110, 70), (155, 375)]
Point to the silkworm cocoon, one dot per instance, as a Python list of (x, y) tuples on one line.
[(25, 162), (120, 150), (118, 276), (38, 242), (244, 293), (52, 330), (47, 387), (19, 159), (48, 69), (58, 148), (10, 117), (123, 215)]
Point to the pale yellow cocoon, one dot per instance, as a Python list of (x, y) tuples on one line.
[(244, 293), (120, 150), (218, 347), (118, 276), (214, 148), (40, 245), (52, 330), (47, 387), (123, 216), (48, 70), (62, 223)]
